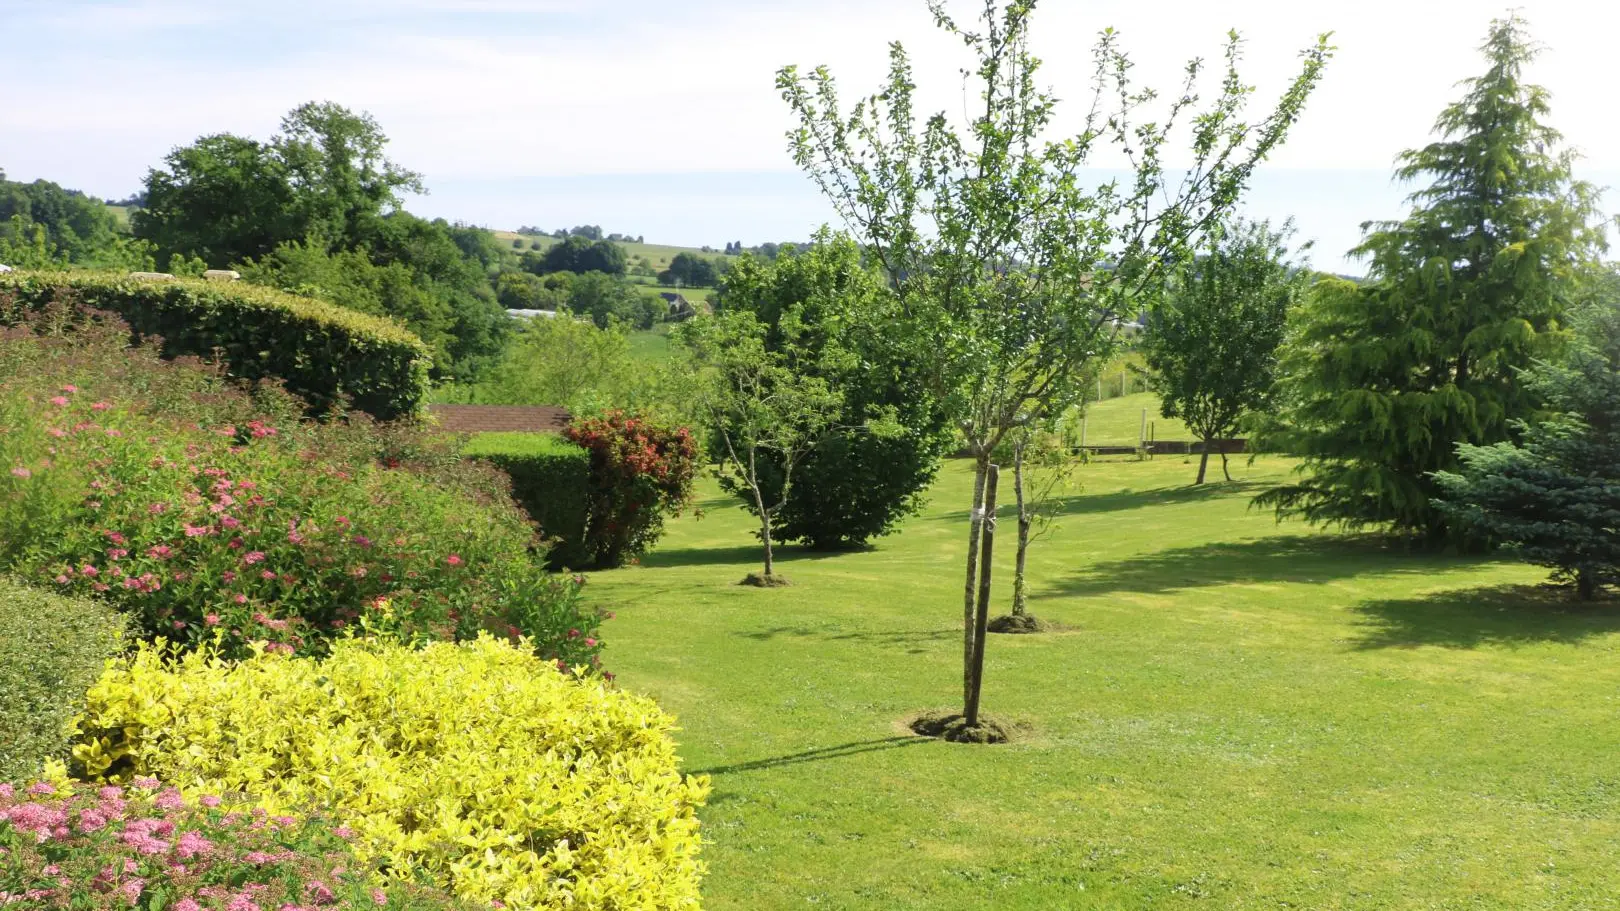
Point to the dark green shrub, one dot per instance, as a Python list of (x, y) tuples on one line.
[(51, 650), (321, 352), (550, 480), (854, 486)]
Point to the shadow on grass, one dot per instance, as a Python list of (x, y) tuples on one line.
[(749, 554), (1496, 615), (905, 637), (1286, 558), (817, 755), (1126, 500)]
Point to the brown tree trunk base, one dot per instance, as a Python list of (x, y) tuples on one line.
[(955, 729), (1020, 624), (764, 580)]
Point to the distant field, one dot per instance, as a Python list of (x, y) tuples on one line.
[(658, 255), (651, 346), (1118, 421)]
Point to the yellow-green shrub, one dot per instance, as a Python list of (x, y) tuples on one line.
[(478, 764)]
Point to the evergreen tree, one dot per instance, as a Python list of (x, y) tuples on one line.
[(1385, 379), (1556, 496)]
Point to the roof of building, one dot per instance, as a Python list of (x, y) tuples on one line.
[(500, 418)]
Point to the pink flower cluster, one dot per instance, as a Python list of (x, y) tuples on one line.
[(110, 847), (246, 534)]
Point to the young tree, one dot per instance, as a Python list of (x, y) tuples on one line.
[(759, 406), (1001, 253), (854, 486), (1042, 466), (1555, 495), (1211, 343), (1383, 380)]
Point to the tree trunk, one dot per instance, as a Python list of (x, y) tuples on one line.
[(975, 525), (770, 558), (981, 620), (1585, 585), (1025, 520), (1203, 463), (1224, 469), (764, 515)]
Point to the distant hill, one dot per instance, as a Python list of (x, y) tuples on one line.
[(658, 256)]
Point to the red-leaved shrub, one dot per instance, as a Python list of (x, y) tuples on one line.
[(640, 470)]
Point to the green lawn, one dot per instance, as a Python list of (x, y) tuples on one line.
[(1239, 715), (1118, 421)]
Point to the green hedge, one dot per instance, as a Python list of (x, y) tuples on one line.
[(51, 650), (321, 351), (551, 480)]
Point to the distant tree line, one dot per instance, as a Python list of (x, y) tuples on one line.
[(589, 232), (43, 224), (765, 250)]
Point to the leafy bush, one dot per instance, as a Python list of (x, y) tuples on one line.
[(854, 486), (65, 848), (213, 516), (574, 364), (640, 469), (476, 765), (51, 651), (323, 353), (550, 480)]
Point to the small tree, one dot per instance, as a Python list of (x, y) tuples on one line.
[(759, 407), (1555, 495), (1042, 467), (1004, 255), (854, 486), (1211, 345)]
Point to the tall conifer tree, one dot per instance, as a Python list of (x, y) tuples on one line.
[(1384, 379)]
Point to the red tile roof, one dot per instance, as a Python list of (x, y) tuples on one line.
[(500, 418)]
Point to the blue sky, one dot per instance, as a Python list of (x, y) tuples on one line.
[(661, 119)]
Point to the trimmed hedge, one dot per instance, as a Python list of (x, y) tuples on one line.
[(551, 480), (51, 650), (320, 351), (475, 766)]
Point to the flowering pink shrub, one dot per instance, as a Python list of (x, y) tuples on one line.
[(148, 848), (213, 515)]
